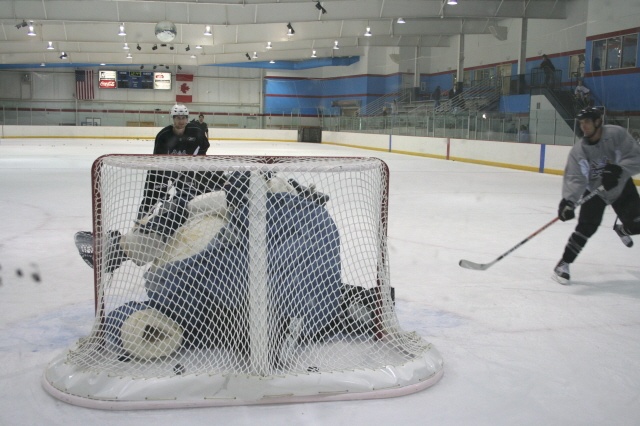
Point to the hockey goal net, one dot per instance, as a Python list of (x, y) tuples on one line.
[(240, 280)]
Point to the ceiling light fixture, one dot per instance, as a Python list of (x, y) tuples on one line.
[(207, 30), (272, 61), (320, 8), (122, 33), (290, 30), (198, 46), (42, 64), (269, 46), (193, 56), (400, 21), (129, 56), (452, 2), (63, 55), (368, 32), (138, 47), (313, 54), (335, 45), (103, 64), (126, 46), (255, 55), (31, 32), (50, 46)]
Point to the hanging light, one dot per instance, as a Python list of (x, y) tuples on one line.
[(198, 46), (129, 56), (401, 21), (255, 55), (269, 46), (122, 33), (126, 46), (368, 32), (290, 30), (193, 56), (335, 45), (207, 30), (452, 2), (31, 31), (313, 54), (63, 55), (50, 46), (272, 61)]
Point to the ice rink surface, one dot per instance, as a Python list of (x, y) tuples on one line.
[(519, 349)]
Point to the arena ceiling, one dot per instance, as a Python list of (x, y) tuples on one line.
[(87, 30)]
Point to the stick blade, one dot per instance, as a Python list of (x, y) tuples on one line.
[(475, 266)]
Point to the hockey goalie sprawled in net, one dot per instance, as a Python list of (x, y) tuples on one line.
[(239, 280)]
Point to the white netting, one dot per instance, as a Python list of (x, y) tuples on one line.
[(243, 280)]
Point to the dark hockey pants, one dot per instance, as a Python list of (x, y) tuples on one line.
[(627, 207)]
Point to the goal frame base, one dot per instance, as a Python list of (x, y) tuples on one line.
[(72, 385)]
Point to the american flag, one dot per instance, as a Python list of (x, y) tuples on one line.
[(84, 84)]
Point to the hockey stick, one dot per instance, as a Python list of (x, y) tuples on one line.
[(484, 266)]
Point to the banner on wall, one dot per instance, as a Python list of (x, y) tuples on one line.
[(162, 80), (184, 88), (107, 79)]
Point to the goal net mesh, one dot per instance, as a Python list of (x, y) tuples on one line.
[(227, 280)]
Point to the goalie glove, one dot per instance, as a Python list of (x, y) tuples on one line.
[(566, 210), (610, 176)]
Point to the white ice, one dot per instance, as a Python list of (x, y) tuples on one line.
[(519, 348)]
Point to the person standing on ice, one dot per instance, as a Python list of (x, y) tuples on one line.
[(606, 156)]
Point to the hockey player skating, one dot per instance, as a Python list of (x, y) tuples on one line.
[(607, 155)]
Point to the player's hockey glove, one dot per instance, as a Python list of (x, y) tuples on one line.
[(566, 210), (610, 176)]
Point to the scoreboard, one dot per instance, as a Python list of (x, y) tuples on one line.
[(134, 80)]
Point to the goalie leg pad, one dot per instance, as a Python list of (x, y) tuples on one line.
[(136, 330)]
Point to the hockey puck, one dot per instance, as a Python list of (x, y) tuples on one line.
[(179, 369)]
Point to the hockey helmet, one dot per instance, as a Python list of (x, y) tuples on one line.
[(179, 110), (590, 113)]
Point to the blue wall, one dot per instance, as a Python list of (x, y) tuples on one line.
[(286, 95)]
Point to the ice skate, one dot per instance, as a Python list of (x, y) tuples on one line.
[(84, 243), (561, 273), (624, 237)]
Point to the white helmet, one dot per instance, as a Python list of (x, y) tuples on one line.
[(177, 110)]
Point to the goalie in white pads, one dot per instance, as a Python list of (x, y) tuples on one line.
[(201, 294)]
